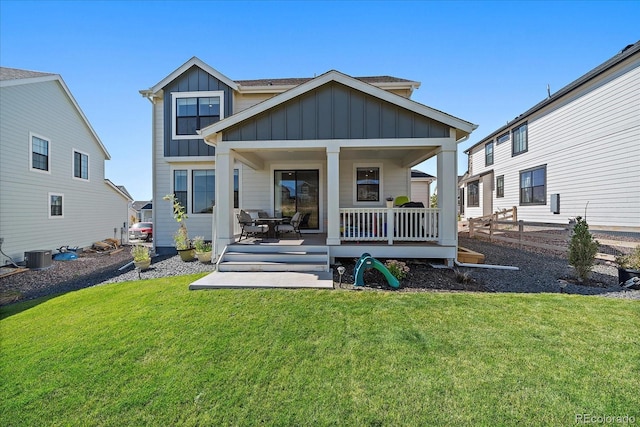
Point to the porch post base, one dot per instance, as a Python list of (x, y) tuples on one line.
[(332, 241)]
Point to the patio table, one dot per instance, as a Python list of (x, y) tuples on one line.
[(271, 222)]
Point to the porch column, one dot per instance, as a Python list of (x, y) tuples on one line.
[(223, 216), (333, 194), (447, 195)]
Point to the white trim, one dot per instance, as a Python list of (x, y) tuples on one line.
[(354, 182), (49, 205), (49, 149), (336, 76), (184, 67), (200, 167), (73, 165), (198, 94)]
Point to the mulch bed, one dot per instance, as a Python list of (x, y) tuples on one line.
[(421, 277)]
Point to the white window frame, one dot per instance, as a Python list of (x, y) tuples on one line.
[(49, 205), (73, 165), (382, 197), (189, 169), (31, 136), (199, 94)]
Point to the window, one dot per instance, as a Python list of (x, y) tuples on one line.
[(55, 206), (519, 144), (500, 186), (533, 186), (40, 153), (193, 111), (503, 138), (488, 154), (180, 187), (473, 194), (80, 165), (368, 184), (202, 189)]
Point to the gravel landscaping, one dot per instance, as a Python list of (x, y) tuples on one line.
[(537, 272)]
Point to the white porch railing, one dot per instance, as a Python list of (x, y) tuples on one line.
[(389, 224)]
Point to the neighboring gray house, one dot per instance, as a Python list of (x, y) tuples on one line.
[(51, 169), (331, 147), (143, 210), (576, 153)]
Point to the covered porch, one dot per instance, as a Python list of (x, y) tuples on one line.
[(335, 129)]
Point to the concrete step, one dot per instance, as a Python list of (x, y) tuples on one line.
[(271, 266), (294, 257), (274, 258)]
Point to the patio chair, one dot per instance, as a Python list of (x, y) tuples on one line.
[(249, 226), (292, 227)]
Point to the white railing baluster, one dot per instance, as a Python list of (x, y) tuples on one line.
[(390, 224)]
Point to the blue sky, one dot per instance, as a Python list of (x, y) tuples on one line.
[(484, 62)]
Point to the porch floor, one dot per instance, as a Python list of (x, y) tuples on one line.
[(320, 239)]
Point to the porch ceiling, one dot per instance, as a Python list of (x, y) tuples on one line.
[(407, 156)]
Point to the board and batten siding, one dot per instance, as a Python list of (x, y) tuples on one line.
[(192, 80), (589, 143), (335, 111), (92, 209)]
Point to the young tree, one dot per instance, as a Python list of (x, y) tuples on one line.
[(582, 249)]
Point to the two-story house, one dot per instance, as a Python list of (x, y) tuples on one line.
[(333, 148), (576, 153), (52, 186)]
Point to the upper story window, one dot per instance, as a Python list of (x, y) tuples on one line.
[(368, 184), (40, 153), (503, 138), (80, 165), (519, 143), (533, 186), (192, 111), (473, 194), (488, 154)]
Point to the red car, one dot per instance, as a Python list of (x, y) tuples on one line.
[(141, 231)]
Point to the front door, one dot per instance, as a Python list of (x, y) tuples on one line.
[(298, 191)]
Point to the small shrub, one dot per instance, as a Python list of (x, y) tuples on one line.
[(140, 253), (201, 245), (630, 261), (463, 277), (582, 249), (399, 269)]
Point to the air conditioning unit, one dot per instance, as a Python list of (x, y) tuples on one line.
[(38, 260)]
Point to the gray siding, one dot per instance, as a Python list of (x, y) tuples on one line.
[(91, 208), (192, 80), (335, 111)]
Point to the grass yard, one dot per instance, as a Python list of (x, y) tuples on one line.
[(154, 353)]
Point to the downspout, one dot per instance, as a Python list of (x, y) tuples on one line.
[(149, 95)]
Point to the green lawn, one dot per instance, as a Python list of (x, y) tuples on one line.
[(154, 353)]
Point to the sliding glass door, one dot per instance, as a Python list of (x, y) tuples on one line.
[(298, 191)]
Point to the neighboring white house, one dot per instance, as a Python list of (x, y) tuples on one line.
[(576, 153), (331, 147), (421, 187), (52, 186)]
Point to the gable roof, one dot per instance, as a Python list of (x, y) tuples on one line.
[(15, 77), (463, 126), (184, 67), (271, 85), (625, 53), (422, 175)]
